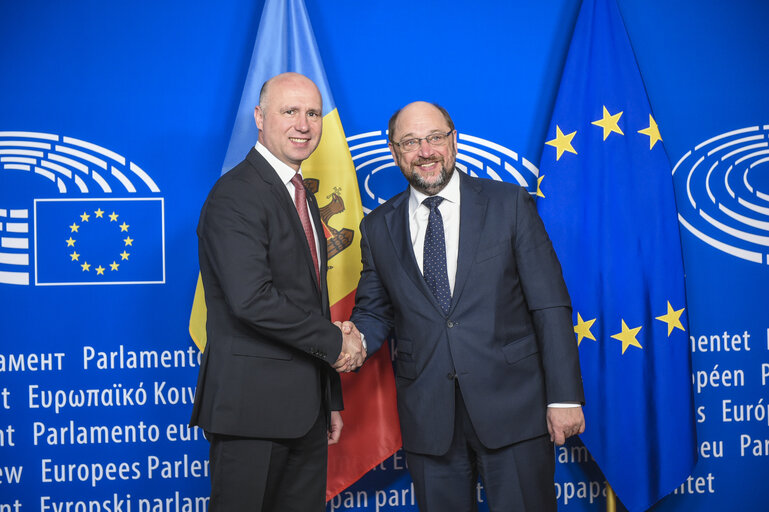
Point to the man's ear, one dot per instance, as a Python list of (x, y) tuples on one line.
[(258, 117)]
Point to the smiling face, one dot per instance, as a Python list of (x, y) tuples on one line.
[(290, 118), (428, 168)]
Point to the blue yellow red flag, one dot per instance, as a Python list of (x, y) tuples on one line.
[(285, 42), (608, 204)]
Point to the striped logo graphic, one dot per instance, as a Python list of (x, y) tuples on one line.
[(75, 213), (726, 179)]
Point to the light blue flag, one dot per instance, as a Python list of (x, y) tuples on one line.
[(609, 208), (284, 42)]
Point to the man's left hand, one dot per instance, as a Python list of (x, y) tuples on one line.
[(335, 428), (564, 422)]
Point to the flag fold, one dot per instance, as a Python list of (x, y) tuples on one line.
[(609, 208)]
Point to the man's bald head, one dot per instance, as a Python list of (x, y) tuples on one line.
[(417, 105), (283, 79)]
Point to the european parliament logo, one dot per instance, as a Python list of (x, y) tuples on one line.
[(727, 192), (380, 179), (79, 214)]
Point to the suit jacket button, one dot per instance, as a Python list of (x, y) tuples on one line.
[(451, 375), (450, 324)]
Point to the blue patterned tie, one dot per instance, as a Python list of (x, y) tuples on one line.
[(434, 256)]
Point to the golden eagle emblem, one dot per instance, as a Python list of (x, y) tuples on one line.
[(336, 240)]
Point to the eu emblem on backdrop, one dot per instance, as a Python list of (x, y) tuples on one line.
[(98, 241), (75, 213), (727, 192), (610, 210)]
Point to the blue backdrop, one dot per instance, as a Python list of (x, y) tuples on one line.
[(132, 103)]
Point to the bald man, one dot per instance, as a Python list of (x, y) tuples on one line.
[(487, 371), (268, 391)]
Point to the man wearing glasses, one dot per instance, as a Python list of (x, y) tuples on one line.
[(462, 271)]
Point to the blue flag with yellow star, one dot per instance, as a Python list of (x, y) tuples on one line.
[(610, 210), (98, 241)]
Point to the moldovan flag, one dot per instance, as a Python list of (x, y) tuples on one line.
[(285, 42), (610, 211)]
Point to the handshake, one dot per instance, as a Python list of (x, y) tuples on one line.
[(353, 352)]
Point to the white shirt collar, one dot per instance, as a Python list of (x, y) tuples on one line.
[(284, 171), (450, 193)]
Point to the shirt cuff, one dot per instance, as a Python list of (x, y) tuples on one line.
[(564, 405)]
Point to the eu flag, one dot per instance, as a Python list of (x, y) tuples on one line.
[(608, 203), (99, 241)]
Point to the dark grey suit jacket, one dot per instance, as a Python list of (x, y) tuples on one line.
[(508, 337), (265, 370)]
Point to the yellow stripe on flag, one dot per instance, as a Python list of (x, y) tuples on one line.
[(198, 316), (331, 164)]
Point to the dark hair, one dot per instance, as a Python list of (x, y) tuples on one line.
[(394, 118)]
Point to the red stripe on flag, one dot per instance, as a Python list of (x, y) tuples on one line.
[(342, 309), (371, 431)]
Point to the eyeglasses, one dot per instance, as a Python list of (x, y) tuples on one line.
[(434, 139)]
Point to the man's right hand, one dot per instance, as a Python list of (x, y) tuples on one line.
[(353, 354)]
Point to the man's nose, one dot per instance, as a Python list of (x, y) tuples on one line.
[(301, 124), (425, 149)]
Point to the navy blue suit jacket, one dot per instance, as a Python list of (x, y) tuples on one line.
[(508, 337)]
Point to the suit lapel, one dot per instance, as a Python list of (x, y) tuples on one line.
[(472, 214), (397, 221), (268, 174)]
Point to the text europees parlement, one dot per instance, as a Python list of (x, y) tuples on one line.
[(96, 473)]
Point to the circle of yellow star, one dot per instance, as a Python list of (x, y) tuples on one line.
[(73, 228), (652, 131), (562, 142), (84, 217), (582, 329), (99, 213), (627, 337), (124, 227), (100, 270), (124, 255), (113, 217), (74, 256), (539, 186), (609, 123), (86, 266), (71, 242), (128, 240), (114, 265), (672, 318)]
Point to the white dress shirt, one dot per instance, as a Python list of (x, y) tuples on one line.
[(449, 208), (285, 173)]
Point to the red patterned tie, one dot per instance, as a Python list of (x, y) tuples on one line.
[(300, 200)]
